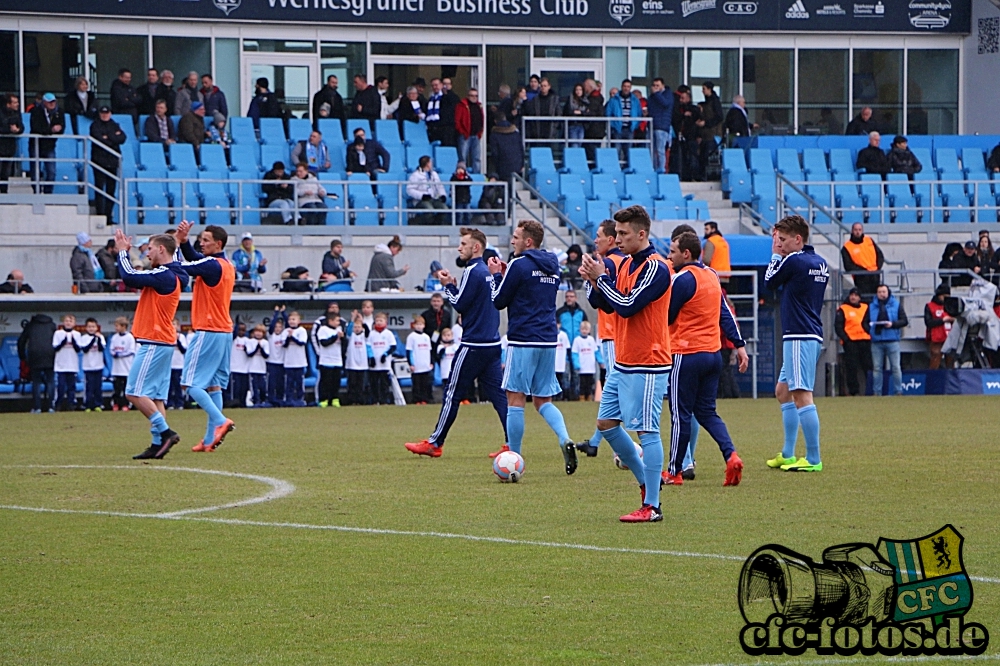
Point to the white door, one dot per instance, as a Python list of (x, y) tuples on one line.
[(294, 75)]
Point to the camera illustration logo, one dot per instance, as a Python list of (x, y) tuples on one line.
[(899, 597)]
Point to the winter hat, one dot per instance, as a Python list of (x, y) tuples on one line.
[(196, 105), (82, 238)]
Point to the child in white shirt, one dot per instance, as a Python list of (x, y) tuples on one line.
[(122, 346), (239, 368), (258, 350), (585, 359), (175, 398), (418, 353), (92, 344), (562, 349), (296, 361), (330, 360), (356, 362), (277, 334), (66, 342), (446, 350), (383, 343)]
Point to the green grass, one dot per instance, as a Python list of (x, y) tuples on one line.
[(97, 589)]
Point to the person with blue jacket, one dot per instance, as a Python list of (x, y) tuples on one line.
[(660, 106), (570, 316), (624, 105), (527, 288), (250, 263), (886, 318)]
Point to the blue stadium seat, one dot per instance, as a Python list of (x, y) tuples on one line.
[(541, 160), (415, 150), (873, 194), (246, 159), (152, 197), (364, 204), (841, 161), (415, 133), (597, 212), (664, 209), (272, 131), (575, 160), (573, 198), (946, 160), (698, 210), (184, 199), (387, 132), (788, 162), (849, 204), (986, 202), (299, 129), (68, 173), (248, 197), (83, 124), (814, 163), (127, 125), (956, 199), (607, 160), (151, 157), (929, 199), (819, 188), (332, 130), (641, 185), (670, 187), (547, 184), (10, 364), (736, 176), (392, 194), (213, 157), (182, 157), (215, 197), (241, 130), (603, 187), (445, 160), (904, 203), (974, 164), (355, 123), (640, 160), (276, 152)]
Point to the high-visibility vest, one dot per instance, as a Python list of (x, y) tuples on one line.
[(938, 333), (863, 253), (720, 258), (854, 318)]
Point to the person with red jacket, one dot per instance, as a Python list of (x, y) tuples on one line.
[(938, 324), (469, 122)]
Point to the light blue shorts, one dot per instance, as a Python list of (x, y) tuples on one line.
[(608, 351), (150, 373), (207, 360), (531, 371), (635, 399), (798, 365)]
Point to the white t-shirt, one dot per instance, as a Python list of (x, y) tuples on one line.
[(456, 332), (180, 349), (238, 361), (93, 359), (257, 364), (587, 350), (419, 346), (382, 343), (357, 352), (66, 354), (330, 356), (562, 346), (122, 353), (277, 341), (447, 353), (295, 354)]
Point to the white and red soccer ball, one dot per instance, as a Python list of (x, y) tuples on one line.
[(509, 467)]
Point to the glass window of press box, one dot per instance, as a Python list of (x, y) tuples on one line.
[(182, 55), (932, 91), (10, 68), (108, 54), (505, 65), (648, 64), (52, 62), (878, 83), (343, 60), (768, 87), (823, 91)]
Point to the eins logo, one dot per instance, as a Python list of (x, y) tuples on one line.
[(899, 597)]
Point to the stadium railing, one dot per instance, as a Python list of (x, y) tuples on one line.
[(550, 216), (531, 125)]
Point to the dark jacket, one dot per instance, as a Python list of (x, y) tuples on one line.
[(595, 130), (275, 192), (507, 149), (109, 263), (736, 123), (712, 114), (406, 113), (72, 106), (42, 124), (152, 130), (993, 164), (542, 105), (661, 109), (435, 321), (191, 129), (873, 160), (850, 266), (34, 346), (684, 124), (124, 99), (147, 99), (335, 266), (861, 127), (328, 95), (368, 104), (904, 161), (376, 157), (958, 263), (215, 100), (449, 102), (11, 287), (264, 105), (83, 272), (462, 195), (8, 144), (109, 134)]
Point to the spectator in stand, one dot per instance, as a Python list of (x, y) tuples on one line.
[(737, 122), (367, 155), (124, 98), (263, 105), (993, 163), (48, 120), (280, 195), (217, 132), (15, 284), (545, 103), (872, 159), (685, 154), (623, 105), (387, 108), (829, 122), (469, 124), (461, 194), (886, 319), (861, 254), (492, 198), (576, 106), (438, 128), (86, 270), (947, 263), (965, 259), (107, 136), (107, 258), (534, 87), (863, 123), (80, 101), (367, 102), (213, 98), (11, 126), (382, 271), (506, 103), (437, 317), (34, 349), (149, 92), (335, 265), (988, 264), (313, 153), (191, 128), (188, 94), (569, 317), (661, 110), (425, 191), (412, 109), (709, 125), (507, 149), (167, 92), (851, 324), (902, 159), (938, 324), (571, 267), (310, 195), (328, 94), (593, 131), (159, 127), (250, 263)]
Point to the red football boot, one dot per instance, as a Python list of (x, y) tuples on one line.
[(645, 514), (502, 449), (220, 434), (734, 471), (424, 448), (668, 479)]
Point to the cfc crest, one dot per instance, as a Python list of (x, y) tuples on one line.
[(621, 10), (227, 6)]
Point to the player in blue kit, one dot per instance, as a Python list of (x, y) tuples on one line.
[(527, 288), (801, 275), (478, 356)]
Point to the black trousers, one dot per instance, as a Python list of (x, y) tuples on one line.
[(104, 205), (381, 389), (356, 387), (586, 386), (118, 397), (423, 383), (728, 388), (329, 383), (42, 385), (8, 167), (857, 358)]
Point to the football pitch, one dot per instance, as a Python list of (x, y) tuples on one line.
[(324, 541)]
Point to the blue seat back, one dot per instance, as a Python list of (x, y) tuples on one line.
[(640, 160), (841, 161), (333, 132), (277, 152), (788, 162), (575, 160), (246, 159), (151, 157), (125, 121), (355, 123), (541, 160), (272, 131), (213, 157), (182, 157), (946, 160), (415, 132), (445, 160), (299, 129), (974, 162), (814, 162), (607, 160), (387, 132), (670, 187), (760, 161), (241, 130), (734, 160)]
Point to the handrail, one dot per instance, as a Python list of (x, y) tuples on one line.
[(755, 217), (545, 205), (782, 207), (565, 141)]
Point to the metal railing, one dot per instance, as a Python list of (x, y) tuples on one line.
[(558, 128), (549, 211), (753, 320)]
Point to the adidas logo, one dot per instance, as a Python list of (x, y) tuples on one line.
[(797, 11)]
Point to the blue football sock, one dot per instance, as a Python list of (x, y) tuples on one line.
[(157, 424), (692, 444), (790, 419), (207, 403), (554, 418), (216, 397), (652, 461), (809, 419), (623, 445), (515, 428), (595, 439)]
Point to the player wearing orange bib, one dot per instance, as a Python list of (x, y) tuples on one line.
[(633, 397), (698, 314), (149, 379), (206, 364)]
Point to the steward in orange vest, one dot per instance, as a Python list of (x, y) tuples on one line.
[(852, 328), (860, 254)]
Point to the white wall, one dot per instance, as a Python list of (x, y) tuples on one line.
[(982, 74)]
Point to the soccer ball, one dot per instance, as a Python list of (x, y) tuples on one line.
[(618, 461), (508, 466)]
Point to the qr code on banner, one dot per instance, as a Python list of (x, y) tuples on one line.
[(989, 35)]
